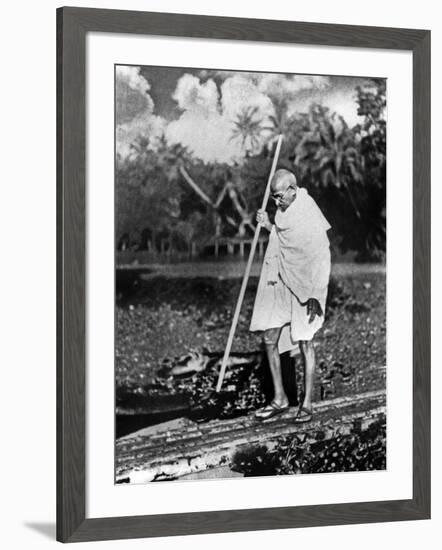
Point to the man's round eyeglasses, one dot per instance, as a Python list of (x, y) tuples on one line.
[(280, 196)]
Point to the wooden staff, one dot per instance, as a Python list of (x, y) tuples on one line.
[(247, 271)]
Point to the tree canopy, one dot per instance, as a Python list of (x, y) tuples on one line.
[(162, 189)]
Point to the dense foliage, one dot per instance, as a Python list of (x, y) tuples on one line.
[(163, 192), (355, 452)]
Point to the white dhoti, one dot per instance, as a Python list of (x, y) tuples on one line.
[(296, 267)]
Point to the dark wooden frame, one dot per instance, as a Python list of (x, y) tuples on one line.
[(72, 26)]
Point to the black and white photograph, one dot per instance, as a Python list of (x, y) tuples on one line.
[(250, 274), (221, 330)]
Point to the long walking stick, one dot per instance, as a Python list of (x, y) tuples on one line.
[(247, 271)]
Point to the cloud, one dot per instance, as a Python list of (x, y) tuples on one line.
[(289, 86), (134, 109), (272, 82), (212, 101), (132, 96), (145, 124), (240, 93), (207, 122), (192, 95), (130, 76), (201, 127), (206, 137)]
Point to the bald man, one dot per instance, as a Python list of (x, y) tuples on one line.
[(290, 300)]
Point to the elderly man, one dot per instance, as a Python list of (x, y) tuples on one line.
[(292, 290)]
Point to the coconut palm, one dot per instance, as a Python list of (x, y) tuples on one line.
[(248, 128), (327, 153), (337, 161)]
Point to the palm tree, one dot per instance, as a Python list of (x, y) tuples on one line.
[(280, 121), (248, 127), (328, 155), (332, 156)]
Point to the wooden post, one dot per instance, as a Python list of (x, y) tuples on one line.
[(247, 272)]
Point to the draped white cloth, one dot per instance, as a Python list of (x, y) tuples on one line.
[(296, 267)]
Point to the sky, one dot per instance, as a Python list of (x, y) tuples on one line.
[(197, 107)]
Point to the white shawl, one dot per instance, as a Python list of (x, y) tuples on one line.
[(298, 248)]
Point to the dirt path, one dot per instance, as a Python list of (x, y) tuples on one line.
[(234, 269)]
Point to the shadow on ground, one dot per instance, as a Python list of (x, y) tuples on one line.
[(48, 530)]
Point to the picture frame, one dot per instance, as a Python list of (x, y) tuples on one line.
[(73, 24)]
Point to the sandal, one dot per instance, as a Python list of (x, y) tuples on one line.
[(270, 410), (303, 414)]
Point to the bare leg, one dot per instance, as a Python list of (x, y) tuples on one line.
[(308, 352), (271, 337)]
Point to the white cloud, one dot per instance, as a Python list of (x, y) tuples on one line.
[(134, 109), (207, 123), (145, 124), (192, 95), (131, 76), (206, 136), (239, 93), (288, 86), (202, 127)]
